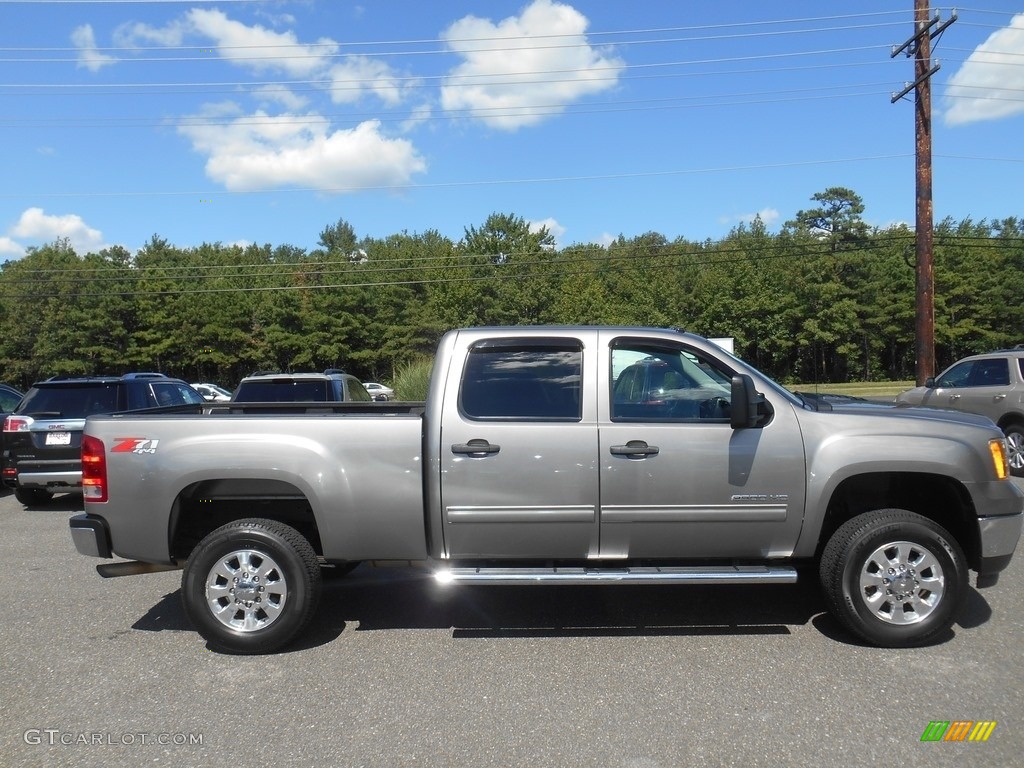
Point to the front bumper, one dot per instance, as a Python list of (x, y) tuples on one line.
[(998, 537), (91, 535)]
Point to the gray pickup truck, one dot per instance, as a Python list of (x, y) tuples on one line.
[(557, 455)]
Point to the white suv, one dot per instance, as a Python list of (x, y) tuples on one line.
[(992, 385)]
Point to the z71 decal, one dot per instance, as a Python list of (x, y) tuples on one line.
[(134, 445)]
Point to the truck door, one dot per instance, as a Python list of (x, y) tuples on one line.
[(676, 480), (518, 459)]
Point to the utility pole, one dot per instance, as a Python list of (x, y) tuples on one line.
[(919, 46)]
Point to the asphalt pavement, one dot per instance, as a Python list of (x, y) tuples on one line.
[(397, 672)]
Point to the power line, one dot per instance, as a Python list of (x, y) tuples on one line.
[(463, 184)]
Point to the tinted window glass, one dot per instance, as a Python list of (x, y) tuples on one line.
[(523, 382), (357, 392), (666, 384), (991, 373), (956, 376), (71, 402), (8, 400), (282, 391)]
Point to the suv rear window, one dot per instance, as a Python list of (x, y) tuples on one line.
[(283, 391), (71, 401)]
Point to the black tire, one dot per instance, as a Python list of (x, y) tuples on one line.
[(1015, 448), (251, 586), (925, 568), (32, 497)]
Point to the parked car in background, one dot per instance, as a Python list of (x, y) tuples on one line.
[(9, 399), (43, 434), (212, 392), (379, 391), (331, 386), (992, 385)]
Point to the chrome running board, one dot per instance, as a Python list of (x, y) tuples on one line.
[(726, 574)]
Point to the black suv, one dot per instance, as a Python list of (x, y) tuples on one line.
[(331, 386), (43, 435)]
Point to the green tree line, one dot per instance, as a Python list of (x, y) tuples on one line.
[(825, 299)]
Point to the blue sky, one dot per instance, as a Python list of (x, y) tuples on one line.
[(263, 121)]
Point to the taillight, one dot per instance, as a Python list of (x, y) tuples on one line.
[(17, 423), (94, 469)]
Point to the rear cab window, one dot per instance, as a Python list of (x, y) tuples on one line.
[(536, 379)]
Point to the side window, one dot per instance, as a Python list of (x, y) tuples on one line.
[(357, 392), (957, 376), (651, 383), (991, 373), (189, 395), (167, 394), (534, 379)]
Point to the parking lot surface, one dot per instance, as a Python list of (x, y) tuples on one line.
[(397, 672)]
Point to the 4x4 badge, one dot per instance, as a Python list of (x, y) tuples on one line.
[(134, 445)]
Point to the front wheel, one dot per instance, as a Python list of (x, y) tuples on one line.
[(251, 586), (1015, 444), (894, 578)]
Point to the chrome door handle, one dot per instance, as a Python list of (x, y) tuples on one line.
[(637, 448), (476, 447)]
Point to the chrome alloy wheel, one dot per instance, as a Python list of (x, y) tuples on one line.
[(246, 590), (1015, 450), (901, 582)]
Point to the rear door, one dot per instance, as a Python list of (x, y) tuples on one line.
[(676, 480), (518, 459)]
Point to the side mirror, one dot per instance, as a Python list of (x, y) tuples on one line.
[(746, 403), (930, 382)]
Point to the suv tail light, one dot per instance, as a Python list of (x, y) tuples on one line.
[(17, 423), (94, 469)]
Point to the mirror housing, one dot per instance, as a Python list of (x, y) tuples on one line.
[(747, 403)]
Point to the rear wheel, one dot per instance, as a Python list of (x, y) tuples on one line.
[(251, 586), (32, 497), (1015, 442), (894, 578)]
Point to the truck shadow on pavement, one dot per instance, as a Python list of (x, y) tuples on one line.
[(371, 599)]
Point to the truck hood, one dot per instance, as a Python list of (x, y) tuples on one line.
[(901, 411)]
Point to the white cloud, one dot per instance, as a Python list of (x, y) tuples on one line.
[(768, 217), (420, 114), (554, 228), (261, 49), (135, 35), (988, 85), (522, 75), (356, 74), (280, 95), (88, 56), (10, 248), (35, 224), (263, 152)]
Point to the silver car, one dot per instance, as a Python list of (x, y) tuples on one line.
[(991, 385)]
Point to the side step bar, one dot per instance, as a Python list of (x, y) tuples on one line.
[(726, 574)]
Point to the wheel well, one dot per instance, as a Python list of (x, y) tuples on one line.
[(1011, 420), (202, 507), (937, 497)]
